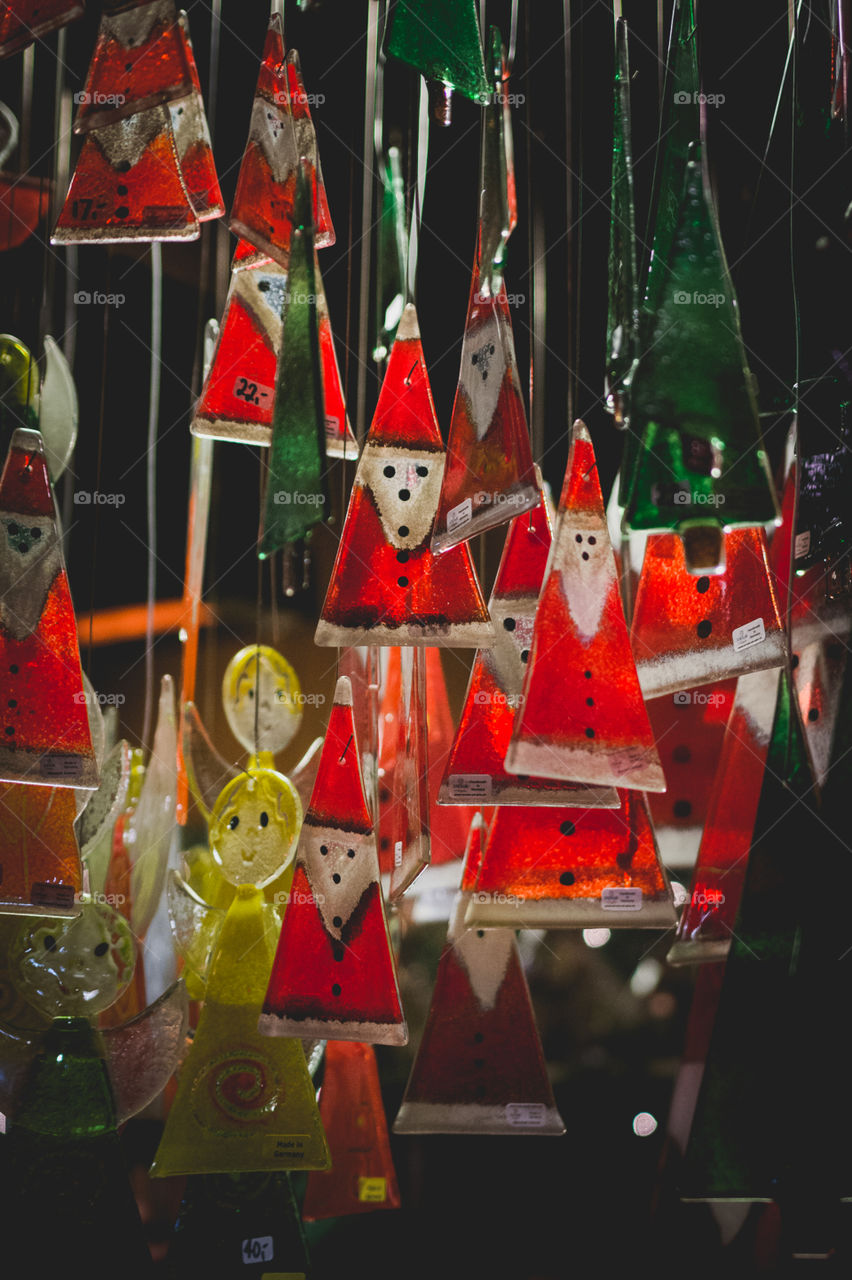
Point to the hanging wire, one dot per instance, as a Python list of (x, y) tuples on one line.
[(151, 477)]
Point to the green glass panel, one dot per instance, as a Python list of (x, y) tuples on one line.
[(441, 39), (392, 254), (296, 493), (238, 1224), (622, 317), (693, 406)]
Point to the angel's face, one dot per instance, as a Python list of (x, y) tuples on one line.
[(75, 967), (254, 827), (262, 699)]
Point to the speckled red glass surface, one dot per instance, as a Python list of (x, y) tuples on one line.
[(448, 825), (23, 203), (707, 921), (474, 767), (192, 139), (334, 974), (582, 716), (550, 867), (127, 185), (238, 395), (689, 630), (139, 61), (340, 441), (306, 139), (40, 867), (22, 21), (408, 821), (386, 586), (489, 477), (362, 1175), (45, 723)]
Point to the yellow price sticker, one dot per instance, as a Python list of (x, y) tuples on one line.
[(372, 1189)]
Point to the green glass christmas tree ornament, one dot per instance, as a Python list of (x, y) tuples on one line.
[(622, 312), (701, 466), (440, 38), (296, 488)]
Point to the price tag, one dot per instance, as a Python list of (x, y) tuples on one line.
[(397, 854), (252, 392), (803, 544), (62, 766), (459, 516), (749, 634), (257, 1249), (530, 1115), (626, 899), (52, 895), (469, 786), (332, 425), (374, 1190)]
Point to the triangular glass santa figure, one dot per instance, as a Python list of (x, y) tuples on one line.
[(192, 141), (707, 922), (582, 716), (480, 1066), (489, 476), (128, 185), (689, 630), (474, 771), (46, 737), (572, 869), (362, 1175), (334, 974), (387, 587), (264, 203), (139, 61)]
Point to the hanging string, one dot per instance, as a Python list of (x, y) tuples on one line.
[(151, 477), (367, 185)]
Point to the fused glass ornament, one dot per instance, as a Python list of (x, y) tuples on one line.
[(24, 201), (23, 21), (489, 475), (361, 664), (701, 461), (623, 299), (127, 185), (689, 729), (306, 147), (392, 254), (139, 61), (408, 825), (582, 716), (262, 698), (707, 921), (296, 484), (58, 411), (824, 469), (572, 869), (265, 199), (689, 631), (40, 868), (777, 1047), (246, 255), (480, 1066), (448, 825), (340, 441), (244, 1103), (148, 833), (239, 1224), (440, 39), (239, 390), (46, 738), (95, 824), (387, 587), (362, 1176), (192, 141), (334, 974), (19, 388), (474, 770)]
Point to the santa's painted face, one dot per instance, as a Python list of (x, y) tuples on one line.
[(340, 865), (586, 563), (30, 559), (405, 485), (75, 967), (513, 632), (262, 699), (483, 367), (254, 827)]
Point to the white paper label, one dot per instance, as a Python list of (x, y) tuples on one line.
[(397, 854), (252, 392), (529, 1114), (750, 633), (803, 544), (470, 786), (626, 899), (258, 1249), (62, 766), (459, 516)]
